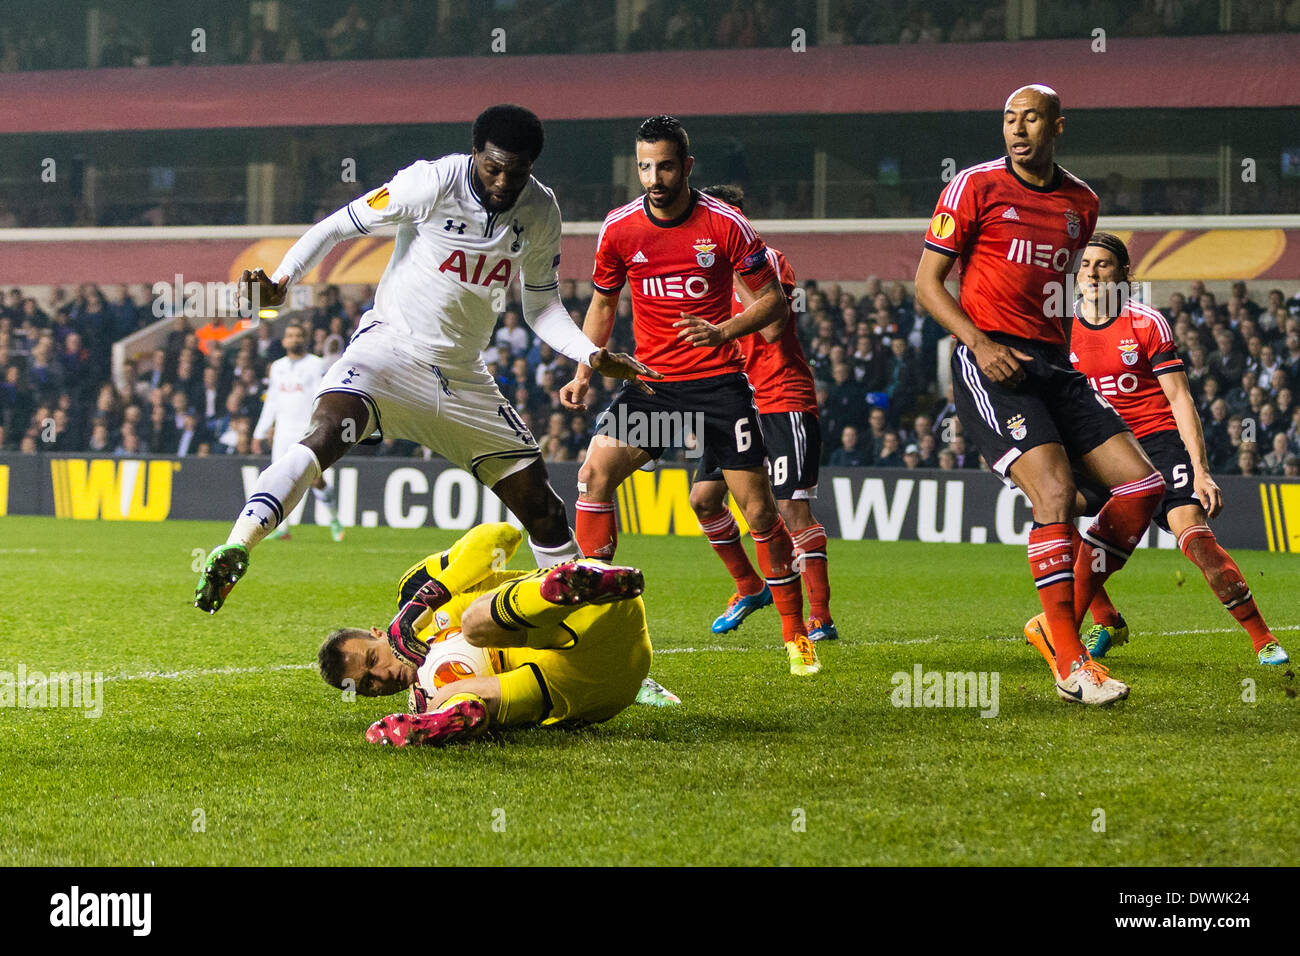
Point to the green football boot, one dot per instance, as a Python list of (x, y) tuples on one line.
[(224, 567)]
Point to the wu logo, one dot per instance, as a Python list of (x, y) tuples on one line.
[(451, 224), (518, 231)]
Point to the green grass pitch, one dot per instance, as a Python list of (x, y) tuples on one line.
[(219, 744)]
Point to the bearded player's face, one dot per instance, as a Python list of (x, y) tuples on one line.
[(501, 176), (294, 341), (663, 175)]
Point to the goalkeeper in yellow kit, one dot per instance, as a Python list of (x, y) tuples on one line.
[(564, 644)]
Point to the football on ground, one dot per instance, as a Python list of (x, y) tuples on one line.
[(933, 734)]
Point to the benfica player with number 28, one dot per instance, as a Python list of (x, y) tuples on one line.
[(1018, 225)]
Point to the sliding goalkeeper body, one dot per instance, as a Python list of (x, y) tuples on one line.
[(566, 644)]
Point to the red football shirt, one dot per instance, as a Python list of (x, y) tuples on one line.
[(1016, 244), (675, 266), (1124, 359), (778, 370)]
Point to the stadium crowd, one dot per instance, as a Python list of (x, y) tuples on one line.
[(874, 357), (296, 31)]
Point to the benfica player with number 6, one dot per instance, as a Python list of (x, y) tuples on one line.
[(678, 248), (1018, 225)]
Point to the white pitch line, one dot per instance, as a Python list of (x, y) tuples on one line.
[(710, 649), (43, 550)]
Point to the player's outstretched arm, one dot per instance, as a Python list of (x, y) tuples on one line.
[(407, 197), (597, 327), (998, 362), (1179, 393)]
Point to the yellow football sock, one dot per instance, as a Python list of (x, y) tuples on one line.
[(519, 604)]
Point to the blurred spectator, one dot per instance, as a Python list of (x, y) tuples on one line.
[(512, 334), (849, 455), (890, 453), (878, 425), (1274, 462)]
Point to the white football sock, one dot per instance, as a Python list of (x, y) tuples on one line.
[(325, 498), (549, 557), (277, 491)]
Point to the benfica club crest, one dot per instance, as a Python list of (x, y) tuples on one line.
[(704, 254), (1017, 426), (1128, 352), (1073, 223)]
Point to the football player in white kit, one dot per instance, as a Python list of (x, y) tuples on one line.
[(290, 394), (468, 226)]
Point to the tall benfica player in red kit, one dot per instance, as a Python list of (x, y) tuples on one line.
[(678, 249), (786, 396), (1127, 351), (1018, 225)]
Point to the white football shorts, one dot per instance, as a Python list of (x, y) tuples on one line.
[(458, 413)]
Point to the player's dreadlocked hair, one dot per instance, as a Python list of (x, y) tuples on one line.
[(730, 194), (330, 655), (510, 127), (1115, 246), (663, 127)]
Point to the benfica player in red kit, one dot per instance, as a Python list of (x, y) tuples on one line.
[(1018, 225), (786, 397), (1127, 351), (678, 249)]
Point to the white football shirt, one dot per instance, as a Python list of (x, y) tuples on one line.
[(452, 259), (290, 392)]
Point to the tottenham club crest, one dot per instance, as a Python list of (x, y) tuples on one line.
[(1128, 352), (1073, 223), (704, 254), (1017, 425)]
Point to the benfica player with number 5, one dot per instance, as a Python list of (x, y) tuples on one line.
[(677, 249), (1018, 225), (1127, 351)]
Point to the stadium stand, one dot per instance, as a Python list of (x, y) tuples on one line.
[(294, 32), (873, 355)]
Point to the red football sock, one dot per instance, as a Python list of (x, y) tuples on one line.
[(596, 528), (724, 535), (1115, 532), (1103, 611), (810, 560), (1225, 580), (1051, 560), (776, 557)]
